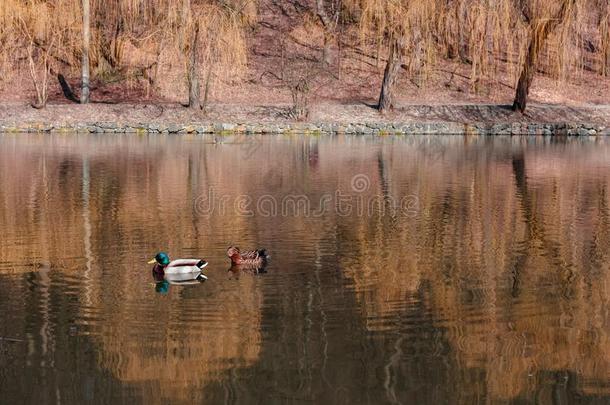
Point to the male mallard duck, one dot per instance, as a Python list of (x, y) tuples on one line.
[(179, 266), (250, 258)]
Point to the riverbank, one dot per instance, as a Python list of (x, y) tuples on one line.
[(541, 119)]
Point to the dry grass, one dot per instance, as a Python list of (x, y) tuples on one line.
[(144, 44), (41, 37), (133, 41), (491, 37)]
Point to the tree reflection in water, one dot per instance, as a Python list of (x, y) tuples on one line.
[(496, 291)]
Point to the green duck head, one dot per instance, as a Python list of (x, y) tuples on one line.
[(160, 258)]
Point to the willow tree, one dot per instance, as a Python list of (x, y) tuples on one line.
[(519, 37), (128, 38), (132, 39), (213, 43), (44, 34), (542, 18), (401, 28), (479, 34)]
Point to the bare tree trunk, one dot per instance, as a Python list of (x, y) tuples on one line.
[(527, 76), (606, 59), (539, 35), (40, 85), (193, 73), (462, 45), (605, 43), (300, 100), (84, 95), (206, 90), (328, 32), (327, 57), (66, 89), (390, 75)]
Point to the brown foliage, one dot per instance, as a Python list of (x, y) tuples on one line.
[(130, 39), (138, 42)]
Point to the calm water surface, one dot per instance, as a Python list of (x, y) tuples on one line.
[(406, 270)]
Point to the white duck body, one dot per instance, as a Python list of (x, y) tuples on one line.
[(185, 266)]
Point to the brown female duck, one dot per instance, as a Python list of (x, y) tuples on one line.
[(256, 258)]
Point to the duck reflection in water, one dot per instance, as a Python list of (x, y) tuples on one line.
[(236, 270)]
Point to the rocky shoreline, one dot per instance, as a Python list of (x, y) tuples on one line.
[(332, 118), (366, 128)]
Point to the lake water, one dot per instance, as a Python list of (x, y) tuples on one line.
[(414, 270)]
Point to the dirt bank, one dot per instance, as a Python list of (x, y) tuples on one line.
[(351, 118)]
